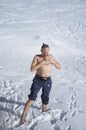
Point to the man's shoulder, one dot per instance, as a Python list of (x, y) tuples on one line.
[(51, 55), (37, 55)]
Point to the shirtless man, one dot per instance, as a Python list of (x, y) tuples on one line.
[(42, 64)]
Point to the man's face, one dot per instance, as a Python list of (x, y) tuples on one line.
[(45, 51)]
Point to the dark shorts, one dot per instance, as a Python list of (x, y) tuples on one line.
[(38, 83)]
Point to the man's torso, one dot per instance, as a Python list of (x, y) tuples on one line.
[(44, 70)]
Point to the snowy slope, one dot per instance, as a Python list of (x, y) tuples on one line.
[(24, 26)]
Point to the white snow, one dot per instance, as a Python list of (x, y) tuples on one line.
[(24, 26)]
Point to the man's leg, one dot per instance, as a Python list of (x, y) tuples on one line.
[(44, 107), (27, 106), (45, 94)]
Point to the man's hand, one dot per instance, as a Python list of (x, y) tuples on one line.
[(46, 62)]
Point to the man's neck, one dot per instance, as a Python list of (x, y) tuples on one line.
[(44, 55)]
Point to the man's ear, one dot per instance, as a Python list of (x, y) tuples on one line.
[(41, 50)]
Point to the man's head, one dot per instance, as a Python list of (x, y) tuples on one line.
[(45, 49)]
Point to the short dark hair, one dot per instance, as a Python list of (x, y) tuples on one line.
[(45, 46)]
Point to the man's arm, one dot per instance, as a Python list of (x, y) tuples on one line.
[(55, 62), (35, 65)]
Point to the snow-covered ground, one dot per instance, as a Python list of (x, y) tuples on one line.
[(24, 26)]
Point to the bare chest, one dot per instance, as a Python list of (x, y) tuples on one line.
[(40, 59)]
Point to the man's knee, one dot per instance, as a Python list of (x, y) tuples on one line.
[(32, 97), (45, 99)]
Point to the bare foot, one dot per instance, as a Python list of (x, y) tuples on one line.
[(22, 120), (44, 108)]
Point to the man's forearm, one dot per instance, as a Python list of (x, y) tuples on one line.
[(57, 65), (35, 67)]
